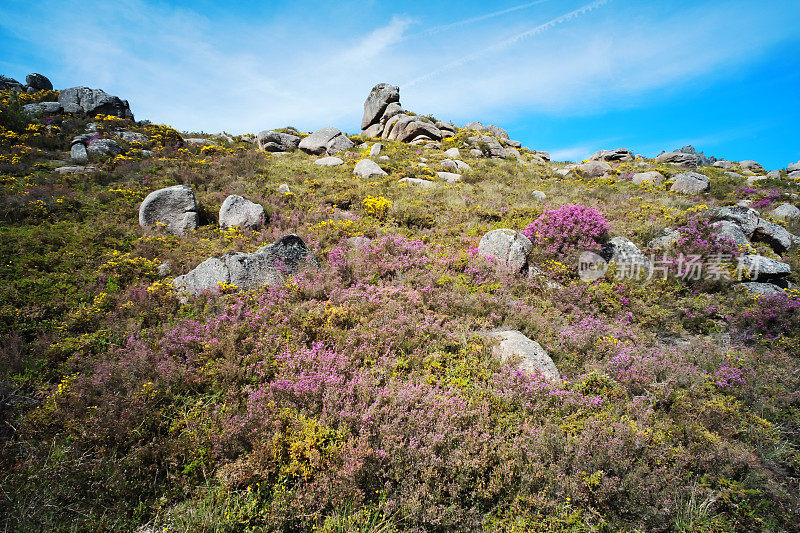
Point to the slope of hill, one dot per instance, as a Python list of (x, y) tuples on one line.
[(368, 388)]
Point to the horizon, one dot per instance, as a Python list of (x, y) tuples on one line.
[(568, 77)]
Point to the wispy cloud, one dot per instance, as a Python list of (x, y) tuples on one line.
[(481, 18)]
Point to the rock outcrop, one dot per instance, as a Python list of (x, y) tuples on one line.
[(326, 141), (93, 102), (690, 183), (274, 141)]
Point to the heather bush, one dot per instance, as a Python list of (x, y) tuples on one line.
[(567, 229)]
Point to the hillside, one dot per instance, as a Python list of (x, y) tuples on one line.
[(419, 327)]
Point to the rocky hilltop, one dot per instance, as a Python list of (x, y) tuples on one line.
[(420, 326)]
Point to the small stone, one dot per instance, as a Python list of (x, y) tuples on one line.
[(284, 189), (330, 161), (367, 168)]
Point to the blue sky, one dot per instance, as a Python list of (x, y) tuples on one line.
[(570, 77)]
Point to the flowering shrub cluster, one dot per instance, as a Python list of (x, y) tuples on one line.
[(569, 228)]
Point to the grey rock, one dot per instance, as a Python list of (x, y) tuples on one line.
[(417, 182), (477, 126), (680, 159), (409, 128), (723, 164), (456, 164), (751, 165), (379, 98), (267, 266), (164, 269), (702, 160), (383, 157), (752, 180), (367, 168), (759, 268), (774, 174), (93, 102), (731, 231), (329, 161), (38, 82), (10, 84), (148, 153), (776, 236), (595, 169), (497, 131), (690, 183), (374, 131), (132, 136), (376, 149), (785, 212), (476, 152), (744, 217), (513, 144), (274, 141), (284, 189), (453, 153), (511, 153), (651, 177), (175, 207), (539, 196), (78, 153), (620, 154), (667, 238), (488, 146), (793, 167), (626, 256), (445, 126), (104, 148), (528, 355), (45, 108), (74, 169), (508, 247), (199, 141), (328, 141), (449, 177), (237, 211), (761, 289)]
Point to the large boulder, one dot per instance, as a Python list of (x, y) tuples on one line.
[(324, 141), (488, 145), (680, 159), (761, 289), (776, 236), (620, 154), (690, 183), (274, 141), (595, 169), (174, 207), (759, 268), (528, 355), (793, 170), (785, 212), (237, 211), (497, 131), (702, 160), (651, 177), (10, 84), (38, 82), (731, 231), (630, 261), (266, 266), (378, 100), (413, 129), (751, 165), (510, 248), (78, 153), (744, 217), (104, 148), (93, 102), (367, 168)]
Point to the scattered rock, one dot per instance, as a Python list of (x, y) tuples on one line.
[(328, 141), (651, 178), (164, 269), (375, 150), (761, 289), (508, 247), (595, 169), (528, 355), (774, 174), (627, 256), (418, 182), (104, 148), (74, 169), (174, 207), (690, 183), (751, 180), (723, 164), (667, 238), (274, 141), (785, 212), (199, 141), (330, 161), (452, 153), (488, 146), (539, 196), (449, 177), (10, 84), (367, 168), (78, 153), (702, 160), (680, 159), (776, 236), (456, 164), (744, 217), (45, 108), (759, 268), (731, 231), (132, 136), (38, 82), (237, 211), (266, 266), (620, 154), (751, 165), (93, 102), (284, 189)]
